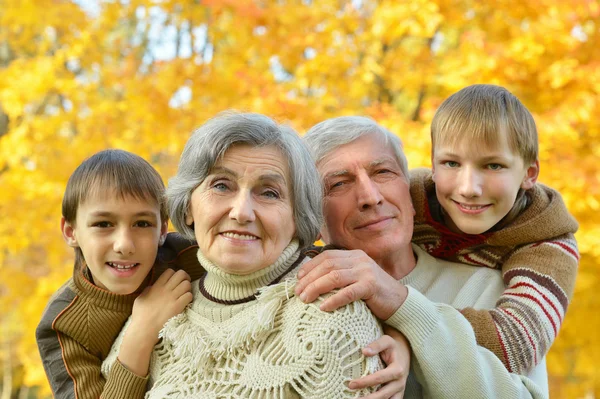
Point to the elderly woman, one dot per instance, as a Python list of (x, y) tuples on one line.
[(248, 191)]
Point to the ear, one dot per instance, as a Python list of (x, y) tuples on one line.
[(68, 231), (189, 219), (164, 229), (531, 175), (323, 236)]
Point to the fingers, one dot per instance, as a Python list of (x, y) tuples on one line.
[(389, 374), (182, 288), (176, 279), (183, 301), (343, 297), (332, 280), (320, 266), (164, 277), (385, 342), (392, 390)]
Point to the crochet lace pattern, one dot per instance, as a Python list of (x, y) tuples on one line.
[(273, 347)]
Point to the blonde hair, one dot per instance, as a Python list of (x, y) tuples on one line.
[(481, 114)]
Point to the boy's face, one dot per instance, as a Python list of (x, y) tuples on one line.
[(119, 239), (477, 185)]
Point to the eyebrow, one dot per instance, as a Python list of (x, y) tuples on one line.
[(381, 161), (372, 164), (489, 158), (266, 177), (109, 214)]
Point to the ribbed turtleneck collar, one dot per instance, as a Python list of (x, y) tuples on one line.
[(226, 287)]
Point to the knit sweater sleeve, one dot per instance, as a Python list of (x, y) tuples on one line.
[(540, 279), (447, 361), (74, 336)]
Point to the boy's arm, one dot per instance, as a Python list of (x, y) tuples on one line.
[(179, 253), (447, 361), (540, 279), (72, 370)]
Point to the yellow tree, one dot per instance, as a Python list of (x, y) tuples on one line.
[(141, 74)]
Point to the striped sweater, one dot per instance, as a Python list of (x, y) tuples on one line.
[(538, 256), (80, 323)]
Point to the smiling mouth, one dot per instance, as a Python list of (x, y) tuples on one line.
[(122, 266), (239, 236), (372, 223), (471, 208)]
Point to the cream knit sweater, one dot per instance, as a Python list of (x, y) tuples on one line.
[(230, 344), (447, 362)]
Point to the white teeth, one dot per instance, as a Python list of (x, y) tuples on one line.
[(122, 267), (239, 236), (472, 207)]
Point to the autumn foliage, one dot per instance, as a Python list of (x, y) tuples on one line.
[(78, 77)]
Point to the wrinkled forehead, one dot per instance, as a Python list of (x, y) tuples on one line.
[(364, 152)]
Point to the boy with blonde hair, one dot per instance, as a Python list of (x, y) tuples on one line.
[(114, 216), (481, 205)]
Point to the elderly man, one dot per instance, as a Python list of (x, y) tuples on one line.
[(368, 210)]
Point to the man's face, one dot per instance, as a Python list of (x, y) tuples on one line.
[(367, 201)]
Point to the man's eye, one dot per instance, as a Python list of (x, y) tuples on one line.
[(336, 185)]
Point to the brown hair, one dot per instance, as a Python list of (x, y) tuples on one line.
[(481, 114), (125, 173)]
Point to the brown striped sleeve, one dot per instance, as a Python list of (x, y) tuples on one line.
[(75, 335), (540, 279)]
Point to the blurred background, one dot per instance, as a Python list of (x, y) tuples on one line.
[(80, 76)]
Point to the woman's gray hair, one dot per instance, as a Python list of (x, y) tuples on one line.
[(328, 135), (209, 143)]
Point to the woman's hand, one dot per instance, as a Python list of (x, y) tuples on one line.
[(394, 350)]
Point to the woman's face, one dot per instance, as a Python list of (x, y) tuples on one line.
[(243, 212)]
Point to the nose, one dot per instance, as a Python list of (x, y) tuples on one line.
[(368, 192), (470, 183), (242, 208), (123, 243)]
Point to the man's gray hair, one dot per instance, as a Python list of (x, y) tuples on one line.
[(208, 144), (328, 135)]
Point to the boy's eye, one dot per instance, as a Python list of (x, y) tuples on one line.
[(143, 223), (101, 224), (450, 164), (495, 166)]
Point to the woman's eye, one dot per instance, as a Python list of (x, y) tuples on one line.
[(272, 194), (451, 164), (220, 186)]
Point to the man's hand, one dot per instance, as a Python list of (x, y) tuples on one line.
[(167, 297), (394, 350), (357, 276)]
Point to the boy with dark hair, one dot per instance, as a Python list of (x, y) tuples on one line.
[(114, 216)]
